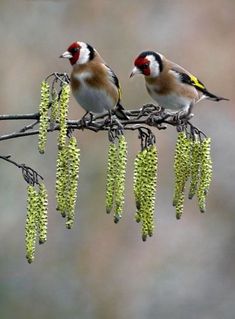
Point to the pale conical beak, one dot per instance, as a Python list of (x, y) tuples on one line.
[(134, 72), (66, 55)]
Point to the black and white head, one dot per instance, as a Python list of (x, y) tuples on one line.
[(79, 53), (148, 63)]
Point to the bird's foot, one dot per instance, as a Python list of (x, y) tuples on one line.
[(86, 119), (182, 117), (157, 117), (112, 121), (109, 120), (148, 109)]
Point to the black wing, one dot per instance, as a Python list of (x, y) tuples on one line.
[(114, 80), (192, 80), (119, 110)]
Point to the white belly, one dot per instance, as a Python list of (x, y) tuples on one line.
[(93, 100), (171, 101)]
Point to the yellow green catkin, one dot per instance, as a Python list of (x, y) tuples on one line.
[(148, 193), (54, 109), (64, 101), (31, 223), (206, 174), (61, 181), (111, 177), (43, 119), (138, 178), (195, 167), (182, 171), (42, 214), (145, 179), (67, 173), (73, 162), (120, 178)]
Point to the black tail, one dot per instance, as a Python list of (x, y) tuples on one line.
[(120, 112), (213, 97)]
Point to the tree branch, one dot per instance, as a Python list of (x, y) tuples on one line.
[(148, 115)]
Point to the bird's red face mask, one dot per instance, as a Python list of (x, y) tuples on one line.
[(72, 53), (141, 67)]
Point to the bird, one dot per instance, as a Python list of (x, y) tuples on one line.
[(94, 84), (170, 85)]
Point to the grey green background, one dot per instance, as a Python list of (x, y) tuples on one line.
[(98, 269)]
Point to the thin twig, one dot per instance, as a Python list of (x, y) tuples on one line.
[(30, 116), (29, 127), (30, 175), (21, 134), (7, 158)]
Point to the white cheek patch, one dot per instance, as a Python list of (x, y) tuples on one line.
[(154, 66), (84, 53)]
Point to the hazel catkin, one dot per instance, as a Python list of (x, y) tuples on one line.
[(145, 178), (206, 174), (182, 171), (73, 158), (42, 213), (120, 178), (43, 119), (61, 181), (64, 101), (31, 223), (54, 109), (195, 167), (111, 177)]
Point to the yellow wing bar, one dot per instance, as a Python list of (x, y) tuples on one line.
[(196, 82)]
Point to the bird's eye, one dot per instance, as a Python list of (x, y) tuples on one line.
[(145, 65), (74, 50)]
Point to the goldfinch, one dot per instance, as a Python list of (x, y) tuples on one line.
[(171, 86), (94, 85)]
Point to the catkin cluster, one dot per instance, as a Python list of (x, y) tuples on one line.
[(54, 109), (182, 171), (145, 179), (64, 101), (43, 120), (192, 160), (59, 113), (205, 174), (42, 214), (115, 184), (195, 167), (36, 220), (67, 173), (111, 177)]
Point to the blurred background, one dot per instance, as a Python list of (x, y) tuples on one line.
[(99, 269)]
